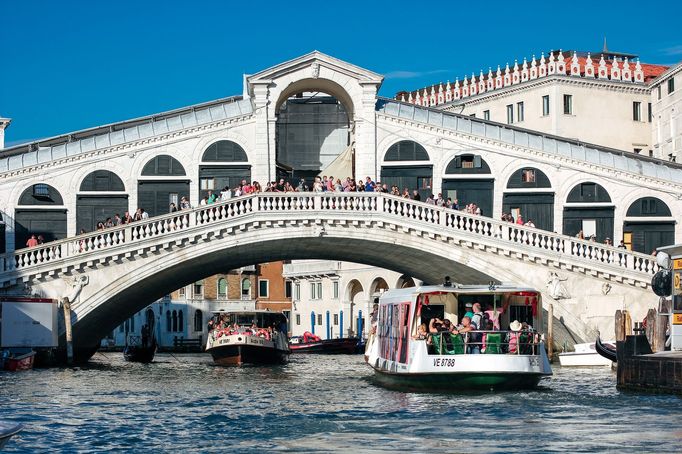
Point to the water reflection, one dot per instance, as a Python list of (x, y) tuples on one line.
[(183, 402)]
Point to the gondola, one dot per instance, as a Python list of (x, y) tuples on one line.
[(141, 349), (605, 351)]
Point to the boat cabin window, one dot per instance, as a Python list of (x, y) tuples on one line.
[(502, 307), (260, 319)]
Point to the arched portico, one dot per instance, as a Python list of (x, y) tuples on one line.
[(352, 86)]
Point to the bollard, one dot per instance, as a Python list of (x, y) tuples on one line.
[(550, 331), (66, 305)]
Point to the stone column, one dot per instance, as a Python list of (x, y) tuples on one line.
[(263, 156), (4, 123)]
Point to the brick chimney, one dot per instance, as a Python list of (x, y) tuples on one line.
[(4, 123)]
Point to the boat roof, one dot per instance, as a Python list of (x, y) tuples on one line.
[(409, 292)]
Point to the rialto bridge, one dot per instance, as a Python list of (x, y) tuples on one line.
[(282, 127)]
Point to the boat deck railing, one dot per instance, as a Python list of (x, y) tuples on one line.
[(485, 342)]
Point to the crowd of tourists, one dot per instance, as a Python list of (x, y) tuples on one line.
[(477, 330), (220, 326)]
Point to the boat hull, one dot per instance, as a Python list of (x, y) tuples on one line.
[(583, 360), (345, 346), (139, 354), (454, 382), (238, 354), (19, 363)]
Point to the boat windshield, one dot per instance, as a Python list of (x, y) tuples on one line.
[(266, 320)]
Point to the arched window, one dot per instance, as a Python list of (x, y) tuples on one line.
[(169, 326), (467, 163), (406, 150), (102, 180), (198, 321), (588, 192), (41, 194), (163, 165), (528, 177), (224, 151), (175, 321), (648, 207), (222, 288), (246, 289), (181, 321)]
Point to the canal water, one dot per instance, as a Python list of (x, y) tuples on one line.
[(319, 404)]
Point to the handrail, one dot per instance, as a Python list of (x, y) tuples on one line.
[(493, 230), (533, 340)]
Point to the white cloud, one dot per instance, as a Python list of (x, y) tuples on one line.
[(402, 74), (672, 50)]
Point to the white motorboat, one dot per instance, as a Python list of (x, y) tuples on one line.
[(403, 356), (585, 355), (248, 337)]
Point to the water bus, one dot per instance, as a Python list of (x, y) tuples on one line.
[(409, 346), (248, 337)]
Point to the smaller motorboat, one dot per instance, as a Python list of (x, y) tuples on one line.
[(7, 431), (310, 343), (18, 360), (587, 355)]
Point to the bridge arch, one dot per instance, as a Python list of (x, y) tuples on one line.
[(529, 193), (407, 164), (163, 180), (314, 129), (648, 224), (40, 211), (589, 212), (405, 281), (101, 195), (116, 299), (469, 179), (224, 163)]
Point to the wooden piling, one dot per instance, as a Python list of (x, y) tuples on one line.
[(651, 328), (550, 331), (619, 325), (66, 305)]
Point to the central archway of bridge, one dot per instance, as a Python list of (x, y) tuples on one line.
[(129, 266)]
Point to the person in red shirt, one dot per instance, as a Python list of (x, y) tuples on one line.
[(33, 241), (519, 220)]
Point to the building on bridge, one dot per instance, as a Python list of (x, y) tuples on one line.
[(607, 98)]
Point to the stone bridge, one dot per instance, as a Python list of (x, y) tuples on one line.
[(129, 266)]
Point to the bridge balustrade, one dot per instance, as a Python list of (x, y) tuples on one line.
[(493, 230)]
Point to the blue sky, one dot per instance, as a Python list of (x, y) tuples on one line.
[(72, 65)]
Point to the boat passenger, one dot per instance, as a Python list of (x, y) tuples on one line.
[(422, 332), (469, 313), (513, 340)]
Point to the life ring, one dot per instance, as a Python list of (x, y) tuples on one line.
[(263, 333)]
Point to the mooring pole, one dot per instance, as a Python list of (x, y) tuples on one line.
[(550, 331), (66, 305)]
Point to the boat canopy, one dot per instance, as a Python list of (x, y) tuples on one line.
[(247, 318)]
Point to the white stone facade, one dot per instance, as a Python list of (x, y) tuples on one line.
[(666, 101)]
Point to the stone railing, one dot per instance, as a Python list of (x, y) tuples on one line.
[(381, 207)]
